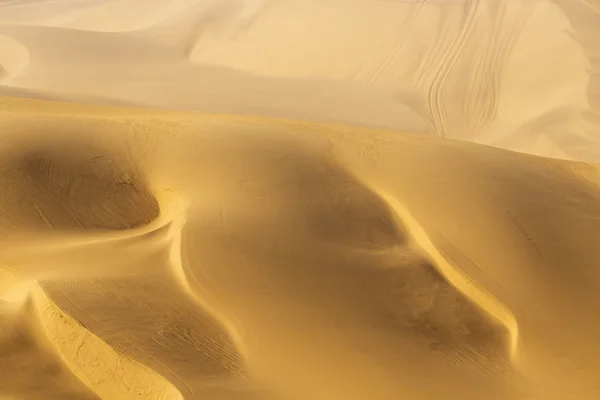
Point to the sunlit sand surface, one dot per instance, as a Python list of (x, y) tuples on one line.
[(299, 200)]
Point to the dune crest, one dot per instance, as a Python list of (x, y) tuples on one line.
[(73, 350), (459, 278), (107, 373)]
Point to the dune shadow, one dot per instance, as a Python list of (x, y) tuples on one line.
[(72, 183), (304, 228)]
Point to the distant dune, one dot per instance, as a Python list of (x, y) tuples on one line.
[(518, 74)]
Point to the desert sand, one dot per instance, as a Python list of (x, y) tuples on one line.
[(299, 200)]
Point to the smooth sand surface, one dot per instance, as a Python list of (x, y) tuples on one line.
[(516, 74), (266, 200)]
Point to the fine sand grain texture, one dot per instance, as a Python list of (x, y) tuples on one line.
[(164, 255), (299, 200)]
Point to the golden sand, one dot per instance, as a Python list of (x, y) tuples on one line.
[(376, 200)]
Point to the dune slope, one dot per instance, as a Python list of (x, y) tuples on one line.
[(473, 70), (199, 256), (14, 58)]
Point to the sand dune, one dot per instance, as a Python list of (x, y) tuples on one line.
[(470, 70), (292, 200), (64, 359), (225, 257)]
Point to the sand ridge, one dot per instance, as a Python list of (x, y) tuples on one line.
[(262, 277), (104, 373), (291, 200)]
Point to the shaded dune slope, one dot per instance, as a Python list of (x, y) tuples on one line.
[(66, 185), (241, 258), (65, 360), (86, 208)]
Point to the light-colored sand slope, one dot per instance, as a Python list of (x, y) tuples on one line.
[(149, 67), (169, 255), (476, 70), (14, 58)]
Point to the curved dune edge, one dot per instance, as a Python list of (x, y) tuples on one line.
[(173, 208), (166, 221), (14, 58), (453, 273), (107, 373)]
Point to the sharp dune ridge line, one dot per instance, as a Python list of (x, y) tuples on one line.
[(459, 279), (174, 209), (105, 373), (299, 199), (120, 378)]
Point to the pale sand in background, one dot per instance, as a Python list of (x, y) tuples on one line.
[(155, 254), (515, 74)]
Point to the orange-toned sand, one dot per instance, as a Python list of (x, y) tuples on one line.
[(168, 252)]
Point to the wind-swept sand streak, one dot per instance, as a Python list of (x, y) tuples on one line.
[(448, 61), (397, 50), (483, 92)]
